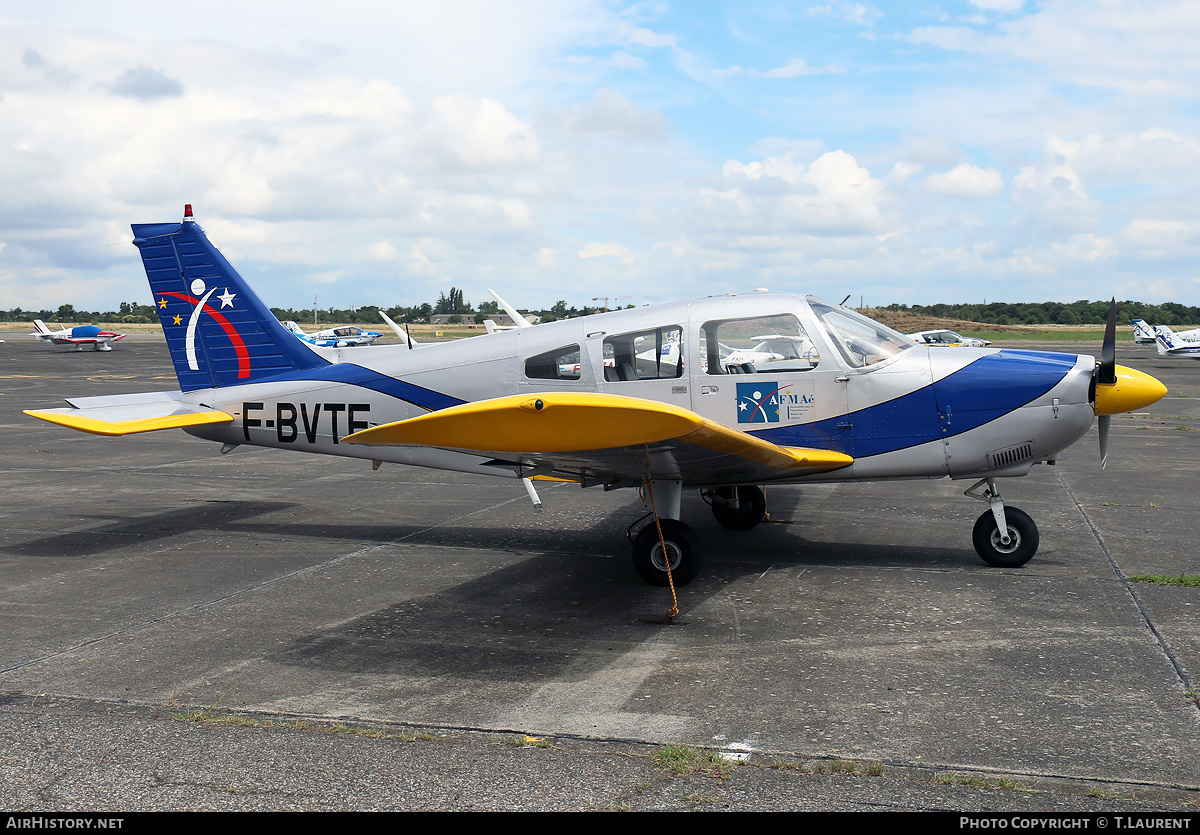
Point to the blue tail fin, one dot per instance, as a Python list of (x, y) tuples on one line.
[(219, 333)]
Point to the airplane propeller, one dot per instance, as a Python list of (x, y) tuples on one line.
[(1106, 374), (1115, 388)]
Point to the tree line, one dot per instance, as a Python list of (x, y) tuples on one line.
[(452, 303), (1082, 312)]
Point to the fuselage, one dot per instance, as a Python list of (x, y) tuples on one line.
[(901, 410)]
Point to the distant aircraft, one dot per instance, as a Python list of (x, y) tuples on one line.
[(1143, 334), (539, 403), (1182, 344), (344, 337), (78, 336), (948, 338)]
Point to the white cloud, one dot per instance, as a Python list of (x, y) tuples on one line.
[(644, 37), (599, 250), (793, 68), (966, 181), (609, 114), (856, 13), (999, 5), (381, 251), (477, 133), (1140, 49)]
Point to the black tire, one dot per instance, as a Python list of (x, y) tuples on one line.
[(1021, 529), (752, 507), (682, 545)]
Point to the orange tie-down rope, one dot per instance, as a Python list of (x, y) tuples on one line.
[(674, 613)]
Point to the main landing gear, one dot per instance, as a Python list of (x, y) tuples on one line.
[(1003, 536), (665, 541), (666, 551)]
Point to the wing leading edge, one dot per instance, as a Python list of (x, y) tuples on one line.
[(604, 438)]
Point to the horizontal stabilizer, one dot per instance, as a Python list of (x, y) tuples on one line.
[(584, 430), (130, 413)]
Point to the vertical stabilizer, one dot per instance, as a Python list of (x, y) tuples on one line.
[(218, 331)]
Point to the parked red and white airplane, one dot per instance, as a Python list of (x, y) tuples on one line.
[(78, 336)]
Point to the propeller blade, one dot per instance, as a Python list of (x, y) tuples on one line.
[(1104, 420), (1107, 371)]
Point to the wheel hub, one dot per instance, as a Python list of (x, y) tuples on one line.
[(1014, 541), (674, 552)]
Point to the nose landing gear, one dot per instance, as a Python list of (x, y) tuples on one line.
[(1005, 537)]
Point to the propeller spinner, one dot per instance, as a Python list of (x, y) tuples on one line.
[(1118, 389)]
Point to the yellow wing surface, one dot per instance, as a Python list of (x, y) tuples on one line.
[(603, 438)]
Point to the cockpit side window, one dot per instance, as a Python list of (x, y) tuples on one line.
[(644, 355), (761, 344), (559, 364), (860, 341)]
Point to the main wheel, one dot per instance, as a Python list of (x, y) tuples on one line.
[(683, 551), (751, 507), (1022, 533)]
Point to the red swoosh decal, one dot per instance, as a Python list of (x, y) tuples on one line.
[(234, 337)]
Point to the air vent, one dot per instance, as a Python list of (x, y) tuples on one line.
[(1008, 456)]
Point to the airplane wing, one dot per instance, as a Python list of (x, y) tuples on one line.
[(127, 414), (604, 439)]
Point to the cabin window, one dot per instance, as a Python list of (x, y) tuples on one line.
[(645, 355), (559, 364), (771, 344)]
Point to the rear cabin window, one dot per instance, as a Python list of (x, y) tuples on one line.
[(644, 355), (771, 344), (559, 364)]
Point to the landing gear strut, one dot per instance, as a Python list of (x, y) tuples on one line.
[(1005, 537)]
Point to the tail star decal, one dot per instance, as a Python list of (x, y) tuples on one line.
[(199, 304)]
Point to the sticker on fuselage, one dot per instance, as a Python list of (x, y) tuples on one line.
[(768, 402)]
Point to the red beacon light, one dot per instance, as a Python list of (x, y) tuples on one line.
[(187, 211)]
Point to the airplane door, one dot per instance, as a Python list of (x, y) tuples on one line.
[(765, 375)]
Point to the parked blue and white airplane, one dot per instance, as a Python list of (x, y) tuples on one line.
[(1182, 344), (346, 336), (80, 335), (1143, 332), (867, 403)]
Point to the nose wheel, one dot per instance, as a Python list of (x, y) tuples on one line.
[(1005, 537)]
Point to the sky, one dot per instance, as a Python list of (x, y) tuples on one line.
[(383, 152)]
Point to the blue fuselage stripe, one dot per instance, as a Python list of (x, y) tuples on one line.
[(983, 391), (356, 375)]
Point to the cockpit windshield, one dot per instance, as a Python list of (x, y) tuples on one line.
[(861, 341)]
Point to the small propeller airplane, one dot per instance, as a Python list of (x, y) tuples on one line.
[(1182, 344), (1143, 333), (346, 336), (78, 336), (864, 403)]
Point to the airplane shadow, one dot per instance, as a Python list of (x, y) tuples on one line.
[(143, 529), (560, 614), (544, 618)]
